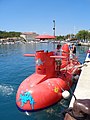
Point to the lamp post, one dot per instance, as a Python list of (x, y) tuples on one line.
[(54, 27)]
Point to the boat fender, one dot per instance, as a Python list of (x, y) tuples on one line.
[(65, 94)]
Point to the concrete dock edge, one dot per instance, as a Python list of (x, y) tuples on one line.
[(82, 90)]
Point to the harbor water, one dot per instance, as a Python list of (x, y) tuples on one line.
[(14, 68)]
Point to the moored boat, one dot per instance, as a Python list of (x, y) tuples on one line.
[(48, 84)]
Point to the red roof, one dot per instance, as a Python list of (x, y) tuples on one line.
[(28, 33), (45, 37)]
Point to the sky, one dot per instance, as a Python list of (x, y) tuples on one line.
[(37, 16)]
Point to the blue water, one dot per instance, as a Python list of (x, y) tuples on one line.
[(14, 68)]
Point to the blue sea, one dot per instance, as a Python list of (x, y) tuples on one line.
[(14, 68)]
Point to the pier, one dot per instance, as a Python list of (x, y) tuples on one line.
[(82, 90)]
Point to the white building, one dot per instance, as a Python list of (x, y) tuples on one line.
[(29, 35)]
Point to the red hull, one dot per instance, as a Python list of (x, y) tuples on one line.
[(44, 88)]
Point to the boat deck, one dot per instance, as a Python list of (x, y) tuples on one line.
[(82, 90)]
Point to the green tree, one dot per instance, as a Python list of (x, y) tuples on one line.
[(4, 34), (60, 37), (83, 34)]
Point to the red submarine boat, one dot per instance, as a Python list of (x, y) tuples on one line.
[(50, 82)]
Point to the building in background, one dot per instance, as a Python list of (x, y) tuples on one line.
[(29, 36)]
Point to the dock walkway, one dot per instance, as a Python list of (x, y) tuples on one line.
[(82, 90)]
